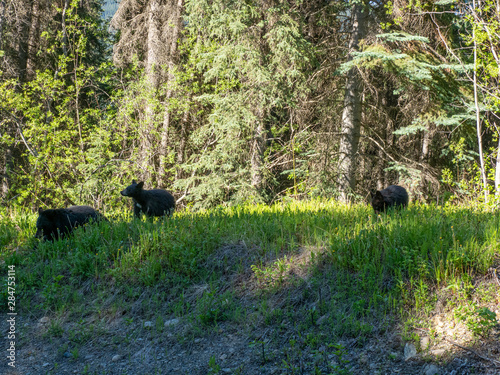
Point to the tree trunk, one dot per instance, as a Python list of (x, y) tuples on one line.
[(424, 156), (351, 116), (478, 118), (497, 171), (5, 172), (2, 23), (23, 42), (152, 71), (182, 145), (34, 40), (4, 162), (172, 56), (257, 152)]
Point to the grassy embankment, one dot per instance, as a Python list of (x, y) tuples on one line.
[(334, 271)]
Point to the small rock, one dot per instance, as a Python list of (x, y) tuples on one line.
[(116, 358), (148, 324), (410, 351), (171, 322), (45, 364), (227, 370), (424, 342), (438, 352), (67, 355), (197, 341), (430, 369), (223, 357), (439, 322), (44, 320)]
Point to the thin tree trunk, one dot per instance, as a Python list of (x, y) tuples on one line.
[(182, 145), (6, 171), (379, 168), (497, 171), (146, 149), (154, 44), (2, 22), (478, 118), (257, 152), (23, 43), (424, 156), (7, 159), (48, 114), (172, 60), (351, 116), (34, 40)]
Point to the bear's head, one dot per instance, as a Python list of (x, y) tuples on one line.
[(47, 224), (378, 201), (133, 190)]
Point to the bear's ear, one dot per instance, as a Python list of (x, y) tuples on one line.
[(372, 193), (40, 210), (133, 182), (140, 185), (379, 195)]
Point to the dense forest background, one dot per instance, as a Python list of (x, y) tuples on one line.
[(226, 102)]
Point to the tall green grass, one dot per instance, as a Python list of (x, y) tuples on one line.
[(397, 258)]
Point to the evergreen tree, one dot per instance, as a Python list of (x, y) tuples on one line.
[(256, 59)]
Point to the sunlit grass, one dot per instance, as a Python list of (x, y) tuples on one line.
[(375, 264)]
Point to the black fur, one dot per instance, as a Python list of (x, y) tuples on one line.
[(156, 202), (392, 196), (56, 223)]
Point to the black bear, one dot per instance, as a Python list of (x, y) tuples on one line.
[(56, 223), (156, 202), (392, 196)]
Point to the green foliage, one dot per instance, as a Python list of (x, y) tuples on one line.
[(213, 367), (479, 320), (252, 60), (69, 141)]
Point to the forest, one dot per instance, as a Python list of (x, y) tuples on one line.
[(270, 122), (228, 102)]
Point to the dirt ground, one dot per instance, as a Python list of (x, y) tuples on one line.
[(122, 347)]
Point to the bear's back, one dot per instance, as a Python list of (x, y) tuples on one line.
[(397, 195), (52, 223), (158, 202)]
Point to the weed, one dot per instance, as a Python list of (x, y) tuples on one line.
[(260, 345), (213, 367), (479, 320)]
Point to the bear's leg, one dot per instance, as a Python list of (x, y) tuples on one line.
[(137, 210)]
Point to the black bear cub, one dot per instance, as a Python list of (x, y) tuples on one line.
[(156, 202), (56, 223), (392, 196)]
